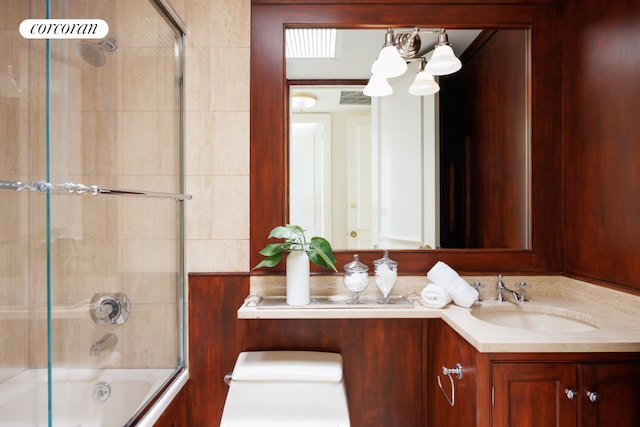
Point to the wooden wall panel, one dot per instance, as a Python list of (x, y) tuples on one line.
[(382, 361), (213, 347), (601, 141), (484, 153), (382, 357)]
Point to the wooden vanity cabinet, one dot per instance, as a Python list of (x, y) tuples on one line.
[(533, 394), (566, 394), (528, 389), (446, 348), (618, 389)]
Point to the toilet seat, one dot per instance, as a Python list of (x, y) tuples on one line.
[(274, 388)]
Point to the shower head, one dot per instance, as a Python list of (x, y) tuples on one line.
[(93, 53)]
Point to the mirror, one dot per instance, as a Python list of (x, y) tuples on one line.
[(410, 172), (270, 175)]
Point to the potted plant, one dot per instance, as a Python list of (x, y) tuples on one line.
[(300, 251)]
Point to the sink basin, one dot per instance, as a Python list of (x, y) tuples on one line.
[(536, 318)]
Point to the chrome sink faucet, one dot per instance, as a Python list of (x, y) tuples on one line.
[(501, 290), (107, 341)]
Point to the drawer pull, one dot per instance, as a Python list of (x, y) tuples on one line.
[(571, 394)]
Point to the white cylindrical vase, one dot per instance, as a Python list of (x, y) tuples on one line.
[(298, 287)]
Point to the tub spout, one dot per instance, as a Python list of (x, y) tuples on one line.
[(108, 341)]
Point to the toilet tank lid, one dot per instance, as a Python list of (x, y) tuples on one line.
[(288, 366)]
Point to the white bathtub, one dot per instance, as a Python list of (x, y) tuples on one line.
[(23, 398)]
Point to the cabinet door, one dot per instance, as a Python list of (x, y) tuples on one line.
[(533, 395), (610, 395), (445, 349)]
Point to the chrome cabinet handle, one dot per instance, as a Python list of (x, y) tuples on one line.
[(593, 396), (571, 394)]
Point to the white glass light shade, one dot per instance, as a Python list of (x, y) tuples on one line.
[(389, 63), (377, 86), (424, 84), (443, 62), (302, 101)]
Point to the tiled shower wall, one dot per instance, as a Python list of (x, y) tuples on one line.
[(217, 174), (95, 233), (14, 223)]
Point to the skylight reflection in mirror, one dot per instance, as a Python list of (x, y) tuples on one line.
[(307, 43)]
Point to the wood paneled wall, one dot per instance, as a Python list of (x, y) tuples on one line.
[(484, 145), (601, 138), (383, 358), (213, 346)]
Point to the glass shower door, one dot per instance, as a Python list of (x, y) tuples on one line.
[(95, 243)]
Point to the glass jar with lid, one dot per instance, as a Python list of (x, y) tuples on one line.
[(386, 273), (356, 278)]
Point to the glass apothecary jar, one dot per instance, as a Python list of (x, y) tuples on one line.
[(356, 278), (386, 272)]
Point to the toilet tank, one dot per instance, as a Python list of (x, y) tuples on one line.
[(286, 388), (288, 366)]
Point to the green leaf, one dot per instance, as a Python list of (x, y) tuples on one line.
[(270, 261), (289, 232), (320, 253), (275, 248)]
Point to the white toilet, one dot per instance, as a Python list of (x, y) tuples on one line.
[(286, 388)]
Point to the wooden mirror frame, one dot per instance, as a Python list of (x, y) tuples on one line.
[(269, 133)]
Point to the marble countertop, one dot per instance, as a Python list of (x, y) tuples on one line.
[(615, 315)]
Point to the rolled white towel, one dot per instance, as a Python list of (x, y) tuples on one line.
[(461, 293), (435, 296), (442, 274)]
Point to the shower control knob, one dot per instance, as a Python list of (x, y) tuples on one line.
[(593, 396), (113, 309), (104, 310)]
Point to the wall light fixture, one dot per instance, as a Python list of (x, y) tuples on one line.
[(403, 47)]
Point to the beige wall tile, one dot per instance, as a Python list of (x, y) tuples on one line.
[(198, 224), (148, 256), (14, 275), (148, 84), (198, 80), (230, 207), (149, 339), (217, 255), (218, 143), (230, 86), (220, 207), (95, 145), (14, 151), (218, 23), (149, 143), (150, 287)]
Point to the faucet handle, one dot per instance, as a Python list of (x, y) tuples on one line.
[(523, 293), (477, 286)]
